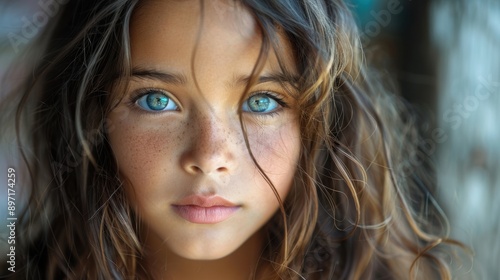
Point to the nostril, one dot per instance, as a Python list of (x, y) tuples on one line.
[(221, 169), (196, 169)]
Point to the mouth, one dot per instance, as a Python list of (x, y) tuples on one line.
[(204, 209)]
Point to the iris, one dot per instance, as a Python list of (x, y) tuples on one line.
[(156, 101), (260, 103)]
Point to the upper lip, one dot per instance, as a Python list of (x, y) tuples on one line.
[(204, 201)]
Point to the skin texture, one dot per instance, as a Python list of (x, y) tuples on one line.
[(199, 148)]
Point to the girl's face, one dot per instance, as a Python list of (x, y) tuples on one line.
[(177, 136)]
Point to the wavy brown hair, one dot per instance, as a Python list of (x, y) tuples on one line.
[(354, 210)]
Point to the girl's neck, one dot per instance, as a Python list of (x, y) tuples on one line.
[(243, 264)]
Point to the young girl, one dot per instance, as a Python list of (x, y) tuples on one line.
[(217, 140)]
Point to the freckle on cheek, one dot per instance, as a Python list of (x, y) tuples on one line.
[(181, 136)]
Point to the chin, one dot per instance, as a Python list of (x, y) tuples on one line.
[(196, 254)]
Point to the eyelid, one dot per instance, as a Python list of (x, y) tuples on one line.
[(143, 91), (276, 97), (272, 94), (138, 94)]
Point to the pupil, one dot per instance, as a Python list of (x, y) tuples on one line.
[(157, 101), (259, 103)]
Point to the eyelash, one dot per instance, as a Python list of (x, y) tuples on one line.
[(276, 97), (142, 92)]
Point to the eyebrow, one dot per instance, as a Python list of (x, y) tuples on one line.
[(180, 78), (166, 77), (276, 77)]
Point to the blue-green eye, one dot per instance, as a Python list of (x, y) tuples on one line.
[(261, 103), (156, 100)]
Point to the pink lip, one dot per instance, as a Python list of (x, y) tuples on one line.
[(204, 209)]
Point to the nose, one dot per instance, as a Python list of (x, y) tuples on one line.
[(211, 148)]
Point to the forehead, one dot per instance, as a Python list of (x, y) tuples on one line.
[(226, 15), (177, 27), (215, 33)]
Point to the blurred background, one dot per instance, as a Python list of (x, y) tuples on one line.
[(444, 56)]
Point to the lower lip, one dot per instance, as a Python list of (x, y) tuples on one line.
[(204, 215)]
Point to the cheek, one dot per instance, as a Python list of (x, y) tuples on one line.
[(277, 152), (143, 154)]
